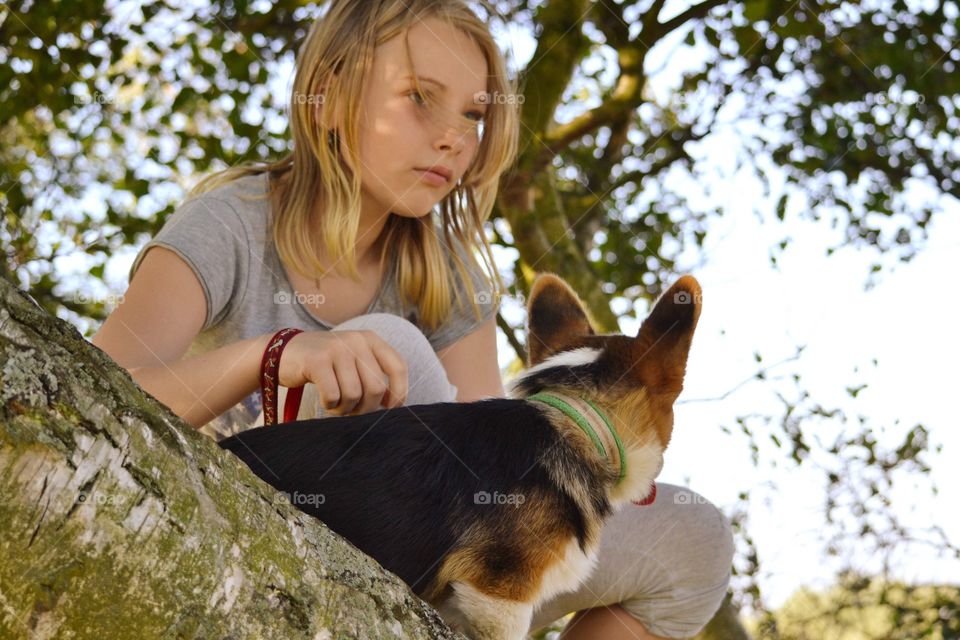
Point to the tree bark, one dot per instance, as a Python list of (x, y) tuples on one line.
[(120, 521)]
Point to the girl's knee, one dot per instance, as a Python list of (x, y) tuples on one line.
[(402, 335), (706, 532), (390, 327), (427, 379), (691, 507), (696, 557)]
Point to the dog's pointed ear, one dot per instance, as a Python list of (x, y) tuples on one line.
[(555, 318), (662, 345)]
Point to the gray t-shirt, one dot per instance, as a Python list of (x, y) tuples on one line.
[(224, 235)]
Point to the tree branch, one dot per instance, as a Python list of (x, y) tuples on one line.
[(693, 13), (560, 48), (511, 335), (652, 18), (582, 209), (625, 97), (761, 374), (608, 16)]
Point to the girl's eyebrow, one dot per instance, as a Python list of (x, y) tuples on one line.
[(442, 86)]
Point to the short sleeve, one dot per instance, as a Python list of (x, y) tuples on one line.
[(211, 238), (463, 321)]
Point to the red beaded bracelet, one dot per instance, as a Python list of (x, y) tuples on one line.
[(270, 380)]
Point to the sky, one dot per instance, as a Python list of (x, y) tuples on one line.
[(905, 322)]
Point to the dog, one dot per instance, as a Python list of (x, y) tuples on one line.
[(487, 509)]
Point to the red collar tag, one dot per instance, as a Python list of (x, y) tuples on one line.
[(650, 496)]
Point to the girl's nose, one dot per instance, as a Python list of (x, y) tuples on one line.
[(451, 138)]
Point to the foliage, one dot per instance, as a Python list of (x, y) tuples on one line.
[(859, 608), (865, 467), (111, 110)]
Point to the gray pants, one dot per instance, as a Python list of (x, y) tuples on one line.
[(667, 564)]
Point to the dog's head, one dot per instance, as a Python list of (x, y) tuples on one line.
[(636, 379)]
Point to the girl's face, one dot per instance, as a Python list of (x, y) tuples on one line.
[(402, 136)]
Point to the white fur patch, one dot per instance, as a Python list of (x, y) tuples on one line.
[(573, 358), (485, 617), (567, 574), (643, 466)]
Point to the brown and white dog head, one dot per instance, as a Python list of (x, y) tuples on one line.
[(634, 379)]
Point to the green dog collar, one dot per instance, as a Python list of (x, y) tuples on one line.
[(565, 404)]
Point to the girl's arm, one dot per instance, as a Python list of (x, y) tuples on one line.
[(201, 388), (161, 313), (472, 366), (164, 309)]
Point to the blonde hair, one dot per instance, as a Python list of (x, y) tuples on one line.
[(337, 55)]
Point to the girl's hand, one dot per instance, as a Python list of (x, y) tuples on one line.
[(355, 372)]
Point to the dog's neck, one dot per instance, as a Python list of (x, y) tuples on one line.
[(592, 420)]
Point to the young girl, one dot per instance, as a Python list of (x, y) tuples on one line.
[(363, 237)]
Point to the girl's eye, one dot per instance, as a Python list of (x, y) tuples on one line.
[(418, 98)]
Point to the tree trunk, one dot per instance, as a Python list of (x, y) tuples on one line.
[(118, 520)]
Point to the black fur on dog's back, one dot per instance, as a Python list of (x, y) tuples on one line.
[(400, 484)]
